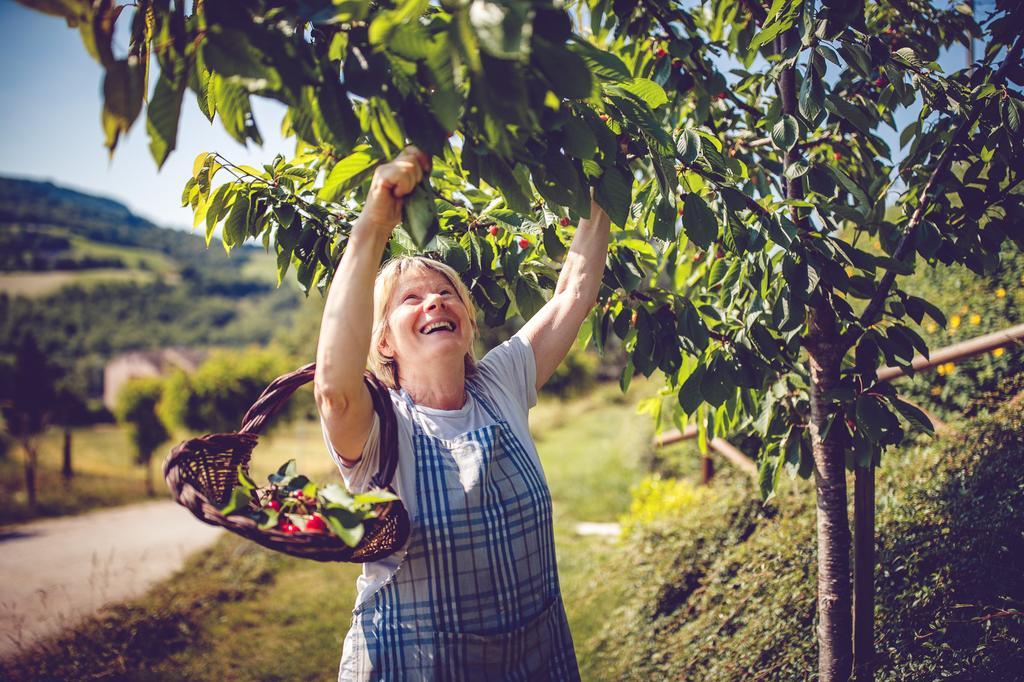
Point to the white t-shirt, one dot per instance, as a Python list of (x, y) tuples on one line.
[(507, 377)]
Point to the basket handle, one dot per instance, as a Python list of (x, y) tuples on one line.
[(280, 389)]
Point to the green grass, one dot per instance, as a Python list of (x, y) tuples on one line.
[(726, 590), (290, 621)]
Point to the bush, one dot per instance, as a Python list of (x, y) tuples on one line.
[(657, 500), (726, 590), (973, 305), (216, 397)]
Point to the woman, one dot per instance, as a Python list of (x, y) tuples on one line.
[(474, 594)]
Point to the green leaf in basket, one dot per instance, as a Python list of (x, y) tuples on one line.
[(336, 494), (309, 490), (244, 479), (296, 483), (345, 524), (374, 497), (268, 519), (288, 469), (239, 502)]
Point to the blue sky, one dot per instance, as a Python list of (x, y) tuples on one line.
[(51, 123)]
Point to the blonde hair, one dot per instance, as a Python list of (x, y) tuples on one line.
[(386, 367)]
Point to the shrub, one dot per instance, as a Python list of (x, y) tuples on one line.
[(218, 394), (725, 589), (656, 499)]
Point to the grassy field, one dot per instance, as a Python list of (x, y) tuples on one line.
[(288, 621), (38, 284)]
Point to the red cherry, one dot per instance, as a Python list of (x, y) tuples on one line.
[(837, 156), (274, 504), (493, 230), (564, 222), (524, 242), (289, 528), (315, 525), (603, 117), (661, 52), (722, 95), (879, 82)]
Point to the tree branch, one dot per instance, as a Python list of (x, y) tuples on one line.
[(905, 245)]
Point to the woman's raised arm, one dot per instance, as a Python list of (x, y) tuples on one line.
[(553, 329), (341, 396)]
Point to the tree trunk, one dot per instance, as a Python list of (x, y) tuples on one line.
[(864, 573), (67, 470), (149, 480), (835, 655), (825, 352), (707, 469), (31, 459)]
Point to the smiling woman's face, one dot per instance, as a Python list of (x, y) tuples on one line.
[(427, 320)]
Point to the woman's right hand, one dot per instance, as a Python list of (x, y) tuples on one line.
[(391, 183)]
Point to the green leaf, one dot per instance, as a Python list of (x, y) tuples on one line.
[(346, 524), (812, 96), (346, 175), (698, 221), (419, 217), (372, 497), (503, 30), (1011, 111), (665, 220), (238, 503), (716, 387), (785, 131), (566, 71), (647, 90), (579, 139), (336, 494), (243, 478), (553, 245), (796, 169), (691, 328), (528, 298), (876, 421), (602, 64), (688, 146), (689, 393), (215, 210), (614, 193), (860, 199), (235, 227), (162, 116), (913, 414)]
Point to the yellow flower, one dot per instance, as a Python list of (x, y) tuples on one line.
[(950, 368), (1000, 292), (954, 322), (931, 327), (941, 369), (998, 352), (936, 390), (975, 319), (963, 308)]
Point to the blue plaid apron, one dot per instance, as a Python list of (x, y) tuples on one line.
[(476, 596)]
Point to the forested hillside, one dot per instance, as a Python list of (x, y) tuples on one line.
[(60, 251)]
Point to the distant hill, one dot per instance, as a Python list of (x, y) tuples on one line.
[(90, 279)]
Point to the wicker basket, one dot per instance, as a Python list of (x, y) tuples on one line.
[(201, 473)]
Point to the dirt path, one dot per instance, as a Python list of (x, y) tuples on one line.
[(54, 572)]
